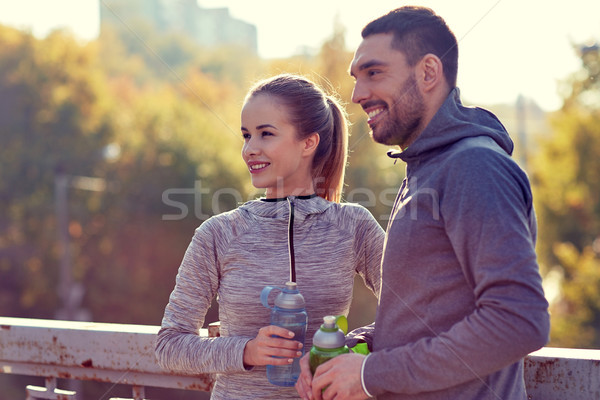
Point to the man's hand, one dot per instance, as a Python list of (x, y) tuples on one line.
[(262, 349), (304, 383), (340, 377)]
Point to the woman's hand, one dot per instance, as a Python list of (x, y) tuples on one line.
[(262, 349)]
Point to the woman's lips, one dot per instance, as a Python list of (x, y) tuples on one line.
[(257, 166)]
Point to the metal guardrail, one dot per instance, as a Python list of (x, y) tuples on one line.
[(124, 354), (116, 353), (553, 373)]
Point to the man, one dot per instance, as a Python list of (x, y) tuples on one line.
[(461, 297)]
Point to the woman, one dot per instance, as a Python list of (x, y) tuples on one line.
[(295, 147)]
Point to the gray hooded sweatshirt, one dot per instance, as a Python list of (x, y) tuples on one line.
[(461, 295)]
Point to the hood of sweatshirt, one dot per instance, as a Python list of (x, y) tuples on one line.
[(304, 206), (291, 209), (454, 122)]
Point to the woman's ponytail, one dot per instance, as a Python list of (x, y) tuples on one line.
[(330, 178)]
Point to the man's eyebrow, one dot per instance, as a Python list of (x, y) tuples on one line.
[(368, 64)]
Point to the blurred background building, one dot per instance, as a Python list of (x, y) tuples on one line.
[(209, 27)]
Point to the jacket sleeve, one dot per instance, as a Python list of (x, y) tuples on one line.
[(369, 249), (179, 346), (363, 334), (490, 224)]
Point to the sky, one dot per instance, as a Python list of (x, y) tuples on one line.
[(507, 48)]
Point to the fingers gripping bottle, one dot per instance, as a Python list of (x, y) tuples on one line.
[(328, 342), (288, 312)]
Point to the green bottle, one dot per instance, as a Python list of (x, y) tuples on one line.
[(328, 342)]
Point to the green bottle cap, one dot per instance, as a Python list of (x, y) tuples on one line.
[(342, 323), (361, 348)]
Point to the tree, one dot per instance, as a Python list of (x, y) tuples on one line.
[(52, 121), (566, 181), (158, 123), (63, 108), (82, 110), (176, 154)]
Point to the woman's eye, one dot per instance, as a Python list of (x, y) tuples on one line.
[(372, 72), (266, 133), (246, 136)]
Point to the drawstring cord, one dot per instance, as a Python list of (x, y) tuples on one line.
[(291, 242)]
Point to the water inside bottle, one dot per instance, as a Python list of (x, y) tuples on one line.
[(287, 375)]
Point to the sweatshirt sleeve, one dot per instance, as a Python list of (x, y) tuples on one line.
[(179, 346), (488, 215), (369, 247)]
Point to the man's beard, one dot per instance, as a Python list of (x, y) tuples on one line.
[(404, 117)]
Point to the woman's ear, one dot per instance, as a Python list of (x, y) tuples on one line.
[(311, 143), (432, 72)]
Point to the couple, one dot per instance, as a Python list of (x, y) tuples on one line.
[(460, 295)]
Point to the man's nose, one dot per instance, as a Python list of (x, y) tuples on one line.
[(360, 92)]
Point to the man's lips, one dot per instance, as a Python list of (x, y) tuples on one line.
[(374, 110), (374, 114)]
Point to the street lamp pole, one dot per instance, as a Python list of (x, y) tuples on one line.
[(61, 185), (70, 292)]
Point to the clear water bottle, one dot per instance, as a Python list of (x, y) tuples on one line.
[(329, 341), (288, 312)]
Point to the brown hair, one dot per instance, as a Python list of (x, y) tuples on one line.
[(418, 31), (312, 110)]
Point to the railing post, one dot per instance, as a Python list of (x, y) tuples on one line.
[(138, 392), (214, 329), (50, 392)]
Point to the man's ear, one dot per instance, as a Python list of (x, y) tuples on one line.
[(311, 143), (431, 72)]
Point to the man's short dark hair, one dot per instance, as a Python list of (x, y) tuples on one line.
[(419, 31)]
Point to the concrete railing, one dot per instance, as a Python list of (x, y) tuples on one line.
[(124, 354)]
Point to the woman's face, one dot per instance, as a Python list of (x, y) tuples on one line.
[(276, 159)]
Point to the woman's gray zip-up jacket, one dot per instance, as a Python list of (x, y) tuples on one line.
[(236, 254)]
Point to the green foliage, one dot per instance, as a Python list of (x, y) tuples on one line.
[(566, 177), (62, 106), (576, 316), (582, 89), (53, 119), (568, 182), (156, 119)]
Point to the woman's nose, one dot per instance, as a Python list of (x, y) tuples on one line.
[(250, 148)]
